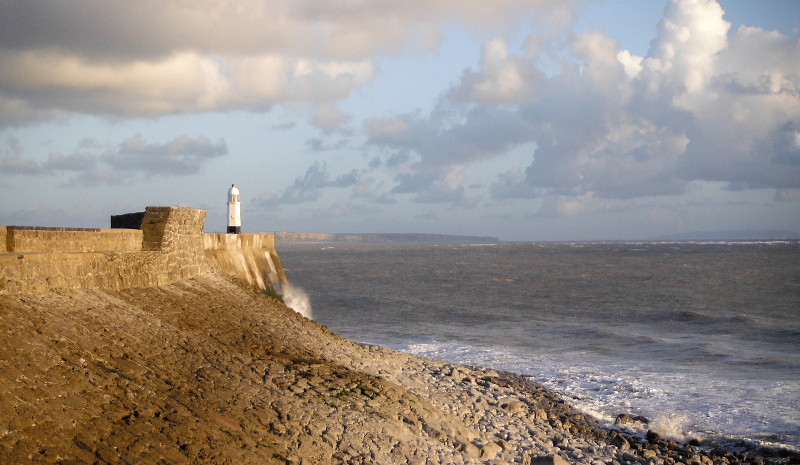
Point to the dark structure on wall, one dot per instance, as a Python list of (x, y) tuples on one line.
[(127, 221)]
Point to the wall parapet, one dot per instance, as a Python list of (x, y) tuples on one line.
[(169, 246), (36, 239)]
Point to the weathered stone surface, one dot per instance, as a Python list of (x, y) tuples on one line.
[(170, 247), (22, 239)]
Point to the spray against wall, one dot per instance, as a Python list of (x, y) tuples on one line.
[(296, 298)]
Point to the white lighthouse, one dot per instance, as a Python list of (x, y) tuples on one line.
[(234, 211)]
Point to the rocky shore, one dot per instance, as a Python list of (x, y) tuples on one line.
[(208, 370)]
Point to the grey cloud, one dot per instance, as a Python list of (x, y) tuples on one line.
[(398, 158), (346, 180), (56, 162), (74, 162), (16, 165), (443, 144), (308, 188), (318, 145), (485, 132), (435, 186), (371, 191), (786, 144), (284, 126), (181, 156), (96, 164)]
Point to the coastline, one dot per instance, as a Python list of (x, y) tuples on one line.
[(209, 370)]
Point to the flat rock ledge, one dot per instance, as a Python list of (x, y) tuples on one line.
[(208, 370)]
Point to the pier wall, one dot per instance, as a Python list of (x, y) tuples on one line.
[(169, 246)]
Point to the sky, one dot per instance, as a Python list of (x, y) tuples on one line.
[(527, 120)]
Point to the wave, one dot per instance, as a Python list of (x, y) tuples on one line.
[(297, 299)]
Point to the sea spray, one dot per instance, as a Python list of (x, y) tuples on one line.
[(297, 299), (671, 426)]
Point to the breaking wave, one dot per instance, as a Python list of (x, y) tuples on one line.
[(296, 298)]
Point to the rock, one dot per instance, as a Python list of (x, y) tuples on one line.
[(628, 457), (620, 442), (548, 460), (648, 454), (469, 448), (623, 418), (490, 451), (652, 436), (514, 406)]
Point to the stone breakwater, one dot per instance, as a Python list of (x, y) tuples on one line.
[(210, 370), (158, 246)]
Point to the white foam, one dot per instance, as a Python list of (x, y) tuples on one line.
[(680, 406)]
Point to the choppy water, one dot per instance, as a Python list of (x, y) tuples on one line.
[(703, 339)]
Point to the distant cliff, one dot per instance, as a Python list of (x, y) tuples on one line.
[(410, 238)]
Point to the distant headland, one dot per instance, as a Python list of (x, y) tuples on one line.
[(381, 238)]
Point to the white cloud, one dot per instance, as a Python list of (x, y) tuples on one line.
[(701, 106), (160, 57), (502, 78), (690, 33)]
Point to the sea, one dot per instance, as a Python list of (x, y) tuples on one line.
[(700, 338)]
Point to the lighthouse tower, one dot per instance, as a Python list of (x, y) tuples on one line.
[(234, 211)]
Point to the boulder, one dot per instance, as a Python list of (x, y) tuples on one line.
[(548, 460)]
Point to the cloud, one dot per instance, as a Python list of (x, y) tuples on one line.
[(95, 163), (155, 58), (328, 118), (318, 145), (503, 78), (705, 104), (308, 188), (430, 153), (181, 156), (556, 206), (371, 191)]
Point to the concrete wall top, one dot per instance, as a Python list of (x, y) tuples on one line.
[(221, 241), (43, 240)]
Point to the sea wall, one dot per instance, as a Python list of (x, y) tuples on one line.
[(169, 246), (249, 257)]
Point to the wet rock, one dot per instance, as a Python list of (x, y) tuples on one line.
[(623, 419), (619, 441)]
